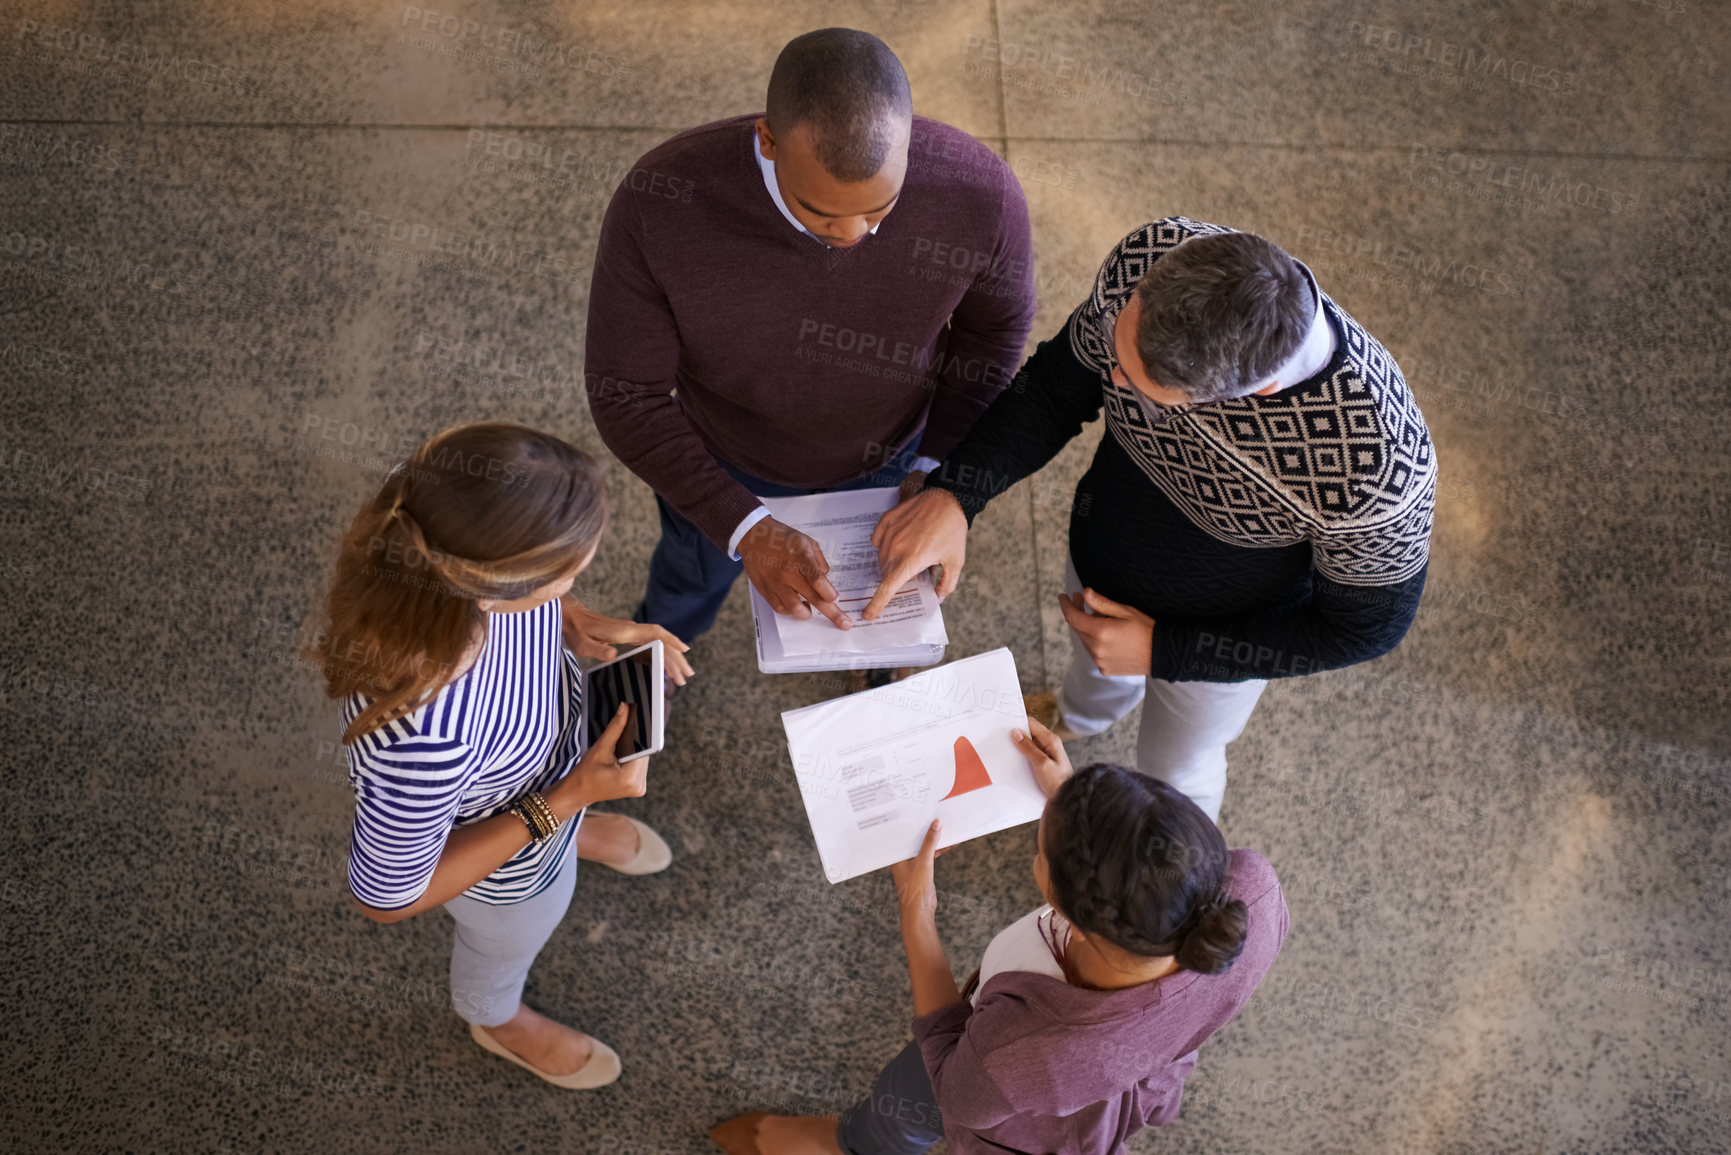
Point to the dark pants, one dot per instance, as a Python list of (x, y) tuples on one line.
[(899, 1117), (689, 575)]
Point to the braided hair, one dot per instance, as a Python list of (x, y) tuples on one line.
[(1135, 862), (489, 510)]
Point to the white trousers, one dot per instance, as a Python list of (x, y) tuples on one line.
[(1185, 725), (494, 946)]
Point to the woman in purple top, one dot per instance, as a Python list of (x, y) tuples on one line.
[(1086, 1014)]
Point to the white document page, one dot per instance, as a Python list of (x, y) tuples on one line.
[(875, 768), (772, 660), (842, 524)]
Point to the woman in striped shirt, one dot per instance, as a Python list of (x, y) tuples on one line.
[(446, 642)]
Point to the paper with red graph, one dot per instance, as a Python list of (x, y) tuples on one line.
[(875, 768)]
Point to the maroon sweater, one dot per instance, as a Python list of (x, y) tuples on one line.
[(1038, 1065), (800, 364)]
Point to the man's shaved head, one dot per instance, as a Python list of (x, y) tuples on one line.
[(850, 92)]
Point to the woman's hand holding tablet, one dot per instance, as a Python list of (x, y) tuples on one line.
[(600, 776)]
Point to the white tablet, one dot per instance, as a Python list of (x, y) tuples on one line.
[(636, 678)]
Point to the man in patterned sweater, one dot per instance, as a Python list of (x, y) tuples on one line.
[(1260, 507)]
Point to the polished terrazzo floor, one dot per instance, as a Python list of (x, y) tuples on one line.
[(1505, 846)]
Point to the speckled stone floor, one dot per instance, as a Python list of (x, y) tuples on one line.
[(1505, 846)]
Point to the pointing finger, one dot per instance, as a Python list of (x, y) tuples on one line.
[(823, 590), (834, 613), (893, 580)]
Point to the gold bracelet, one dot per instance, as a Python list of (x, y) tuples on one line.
[(529, 820), (541, 807), (548, 821), (532, 803)]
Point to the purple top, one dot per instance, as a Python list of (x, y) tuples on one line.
[(803, 365), (1038, 1065)]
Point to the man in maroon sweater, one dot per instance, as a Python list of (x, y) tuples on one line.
[(824, 297)]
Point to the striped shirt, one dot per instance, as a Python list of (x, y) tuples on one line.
[(510, 724)]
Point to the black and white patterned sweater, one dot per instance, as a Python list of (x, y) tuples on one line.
[(1266, 536)]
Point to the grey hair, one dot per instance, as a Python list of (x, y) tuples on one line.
[(1220, 312), (851, 91)]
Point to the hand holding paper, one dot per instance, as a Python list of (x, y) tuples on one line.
[(1047, 760), (915, 878)]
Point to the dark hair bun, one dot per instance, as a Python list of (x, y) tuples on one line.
[(1136, 862), (1214, 944)]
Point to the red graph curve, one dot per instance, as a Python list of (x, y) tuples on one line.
[(970, 771)]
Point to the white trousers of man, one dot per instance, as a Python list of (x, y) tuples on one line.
[(1185, 725)]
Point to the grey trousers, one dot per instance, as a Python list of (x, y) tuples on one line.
[(495, 946), (900, 1116), (1185, 725)]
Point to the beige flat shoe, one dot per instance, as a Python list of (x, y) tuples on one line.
[(602, 1068), (653, 854)]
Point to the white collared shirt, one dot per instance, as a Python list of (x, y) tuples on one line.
[(1314, 352), (767, 167)]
